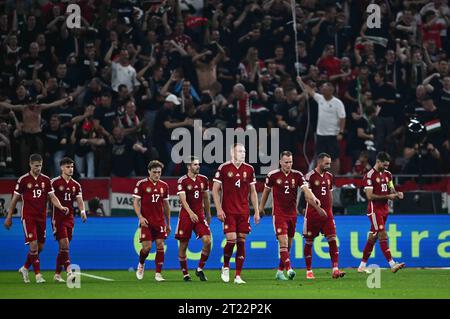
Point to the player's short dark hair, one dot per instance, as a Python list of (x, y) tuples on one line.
[(66, 161), (285, 153), (35, 158), (323, 155), (191, 159), (383, 157), (155, 164), (236, 145)]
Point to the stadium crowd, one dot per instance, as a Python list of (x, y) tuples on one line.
[(110, 93)]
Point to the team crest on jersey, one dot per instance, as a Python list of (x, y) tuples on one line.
[(225, 226), (317, 183), (378, 180), (279, 181), (230, 174), (189, 187), (73, 189), (328, 182), (29, 185), (42, 185), (30, 235), (143, 236), (293, 182), (180, 232), (244, 174), (61, 188), (309, 233), (202, 186), (278, 230), (161, 190), (180, 187), (148, 189)]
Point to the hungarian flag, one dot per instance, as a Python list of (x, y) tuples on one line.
[(433, 126)]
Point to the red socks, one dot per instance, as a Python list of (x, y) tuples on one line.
[(367, 251), (183, 265), (334, 253), (159, 259), (142, 257), (227, 252), (284, 258), (385, 249), (308, 254), (203, 258), (28, 262), (240, 256), (34, 259)]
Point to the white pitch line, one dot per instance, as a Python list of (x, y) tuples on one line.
[(95, 277)]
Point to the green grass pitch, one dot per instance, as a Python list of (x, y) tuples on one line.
[(407, 283)]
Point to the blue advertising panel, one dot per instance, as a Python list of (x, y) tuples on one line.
[(112, 243)]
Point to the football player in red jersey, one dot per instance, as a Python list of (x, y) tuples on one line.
[(35, 189), (193, 192), (67, 190), (379, 188), (284, 184), (237, 180), (151, 204), (320, 181)]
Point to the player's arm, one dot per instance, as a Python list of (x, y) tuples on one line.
[(312, 200), (12, 206), (215, 191), (254, 199), (137, 209), (207, 206), (264, 197), (193, 216), (167, 215), (81, 207), (394, 191), (55, 201), (373, 197)]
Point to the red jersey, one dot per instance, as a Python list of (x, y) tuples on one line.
[(193, 188), (236, 183), (284, 191), (152, 196), (66, 192), (34, 192), (379, 182), (321, 186)]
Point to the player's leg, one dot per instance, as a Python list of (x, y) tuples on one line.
[(206, 251), (310, 231), (182, 258), (159, 259), (329, 230), (384, 245), (143, 254), (371, 240), (284, 256), (62, 260), (229, 229), (240, 257)]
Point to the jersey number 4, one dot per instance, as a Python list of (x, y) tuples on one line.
[(238, 183)]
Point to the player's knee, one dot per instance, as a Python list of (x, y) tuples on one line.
[(382, 235), (207, 241)]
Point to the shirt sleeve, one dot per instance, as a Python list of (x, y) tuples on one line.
[(50, 187), (166, 192), (341, 110), (18, 190), (206, 185), (302, 181), (269, 182), (318, 97), (180, 187), (252, 176), (137, 191), (367, 182), (79, 191), (218, 177)]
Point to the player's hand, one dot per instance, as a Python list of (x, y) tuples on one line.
[(257, 218), (392, 196), (8, 223), (400, 195), (194, 218), (83, 217), (65, 210), (143, 222), (221, 215), (322, 213), (317, 201), (168, 230), (261, 212)]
